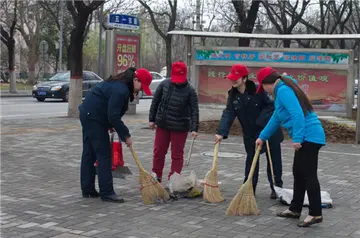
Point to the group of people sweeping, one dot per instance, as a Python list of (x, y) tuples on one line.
[(261, 110)]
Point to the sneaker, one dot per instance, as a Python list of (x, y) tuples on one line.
[(156, 177)]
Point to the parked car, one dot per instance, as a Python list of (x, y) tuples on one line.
[(58, 86), (356, 87), (157, 79)]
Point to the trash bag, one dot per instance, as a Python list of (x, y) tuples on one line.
[(185, 186), (286, 195)]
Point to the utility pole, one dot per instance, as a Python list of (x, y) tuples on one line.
[(197, 40), (101, 12), (358, 101), (61, 33)]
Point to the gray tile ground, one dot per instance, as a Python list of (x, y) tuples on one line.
[(40, 194)]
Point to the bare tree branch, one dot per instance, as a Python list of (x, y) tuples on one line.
[(71, 9), (152, 17), (4, 35)]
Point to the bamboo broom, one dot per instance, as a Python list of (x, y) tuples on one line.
[(151, 189), (244, 202), (211, 191)]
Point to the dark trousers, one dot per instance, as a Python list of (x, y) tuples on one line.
[(96, 145), (163, 138), (275, 150), (305, 179)]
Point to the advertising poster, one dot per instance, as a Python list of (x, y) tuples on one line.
[(127, 52), (325, 88), (274, 57)]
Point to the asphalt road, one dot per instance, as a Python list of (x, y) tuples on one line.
[(27, 107)]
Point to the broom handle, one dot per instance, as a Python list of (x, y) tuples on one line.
[(270, 162), (216, 152), (255, 159), (136, 158), (190, 151)]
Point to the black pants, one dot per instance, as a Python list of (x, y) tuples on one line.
[(305, 179), (96, 145), (275, 150)]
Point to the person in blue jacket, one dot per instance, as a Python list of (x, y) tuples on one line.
[(253, 112), (101, 110), (293, 110)]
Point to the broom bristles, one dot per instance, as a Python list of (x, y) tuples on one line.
[(211, 191), (151, 189), (244, 202)]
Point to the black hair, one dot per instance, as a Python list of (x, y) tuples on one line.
[(128, 78), (301, 96)]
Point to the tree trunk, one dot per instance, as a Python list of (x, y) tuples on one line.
[(76, 66), (324, 44), (246, 27), (287, 43), (31, 65), (245, 42), (68, 63), (11, 50), (168, 55)]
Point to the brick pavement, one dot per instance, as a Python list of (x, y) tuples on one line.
[(40, 193)]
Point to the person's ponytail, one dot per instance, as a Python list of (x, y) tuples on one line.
[(301, 96)]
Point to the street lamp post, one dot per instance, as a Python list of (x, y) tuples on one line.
[(61, 33), (358, 101)]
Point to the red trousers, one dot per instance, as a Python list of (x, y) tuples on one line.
[(162, 140)]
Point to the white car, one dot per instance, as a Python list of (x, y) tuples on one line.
[(157, 79)]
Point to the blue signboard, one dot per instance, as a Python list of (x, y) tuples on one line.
[(274, 56), (123, 22)]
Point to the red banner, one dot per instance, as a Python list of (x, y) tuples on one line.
[(325, 88), (127, 52)]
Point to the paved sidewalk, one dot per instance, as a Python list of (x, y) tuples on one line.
[(40, 192)]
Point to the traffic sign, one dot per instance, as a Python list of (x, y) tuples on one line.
[(44, 57), (123, 22), (43, 47)]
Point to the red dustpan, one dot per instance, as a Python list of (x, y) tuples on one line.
[(119, 170)]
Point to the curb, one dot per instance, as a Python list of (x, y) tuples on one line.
[(14, 95)]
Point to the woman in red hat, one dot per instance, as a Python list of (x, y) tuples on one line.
[(103, 108), (174, 112), (293, 110), (253, 112)]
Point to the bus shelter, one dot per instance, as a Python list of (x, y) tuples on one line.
[(326, 76)]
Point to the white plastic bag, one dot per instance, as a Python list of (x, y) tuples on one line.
[(180, 183), (286, 195)]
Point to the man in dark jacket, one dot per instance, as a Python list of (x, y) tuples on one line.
[(175, 112), (253, 112), (102, 109)]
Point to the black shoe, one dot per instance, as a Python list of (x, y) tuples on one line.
[(273, 195), (112, 198), (93, 194), (288, 215), (315, 220)]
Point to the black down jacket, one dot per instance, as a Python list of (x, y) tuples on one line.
[(175, 107), (253, 112)]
